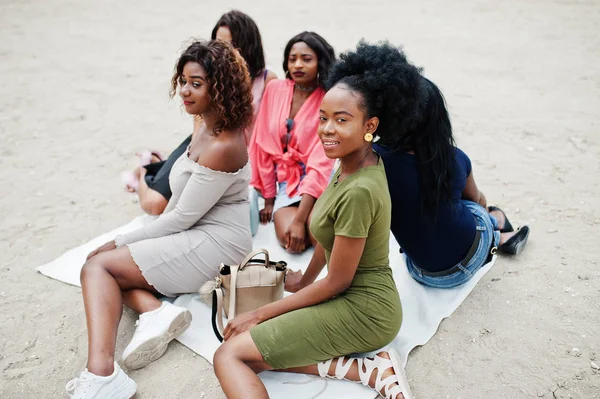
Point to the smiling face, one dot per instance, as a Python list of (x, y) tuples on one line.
[(194, 89), (343, 123), (303, 64)]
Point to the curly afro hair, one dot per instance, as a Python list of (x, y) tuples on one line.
[(245, 37), (230, 86), (389, 86)]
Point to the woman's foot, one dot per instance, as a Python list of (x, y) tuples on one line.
[(118, 385), (130, 181), (155, 329), (503, 223), (382, 372), (513, 243), (390, 372)]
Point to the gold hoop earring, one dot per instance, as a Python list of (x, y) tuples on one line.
[(368, 137)]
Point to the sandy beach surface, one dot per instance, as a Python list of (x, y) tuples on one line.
[(84, 85)]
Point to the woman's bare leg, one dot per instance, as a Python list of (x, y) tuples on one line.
[(501, 221), (140, 300), (352, 374), (500, 218), (506, 236), (103, 277), (282, 219), (152, 202), (238, 361)]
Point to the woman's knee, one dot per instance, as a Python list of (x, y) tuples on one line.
[(224, 355), (240, 348), (154, 203), (281, 238), (281, 227), (91, 267)]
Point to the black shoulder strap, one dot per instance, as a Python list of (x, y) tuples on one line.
[(214, 317)]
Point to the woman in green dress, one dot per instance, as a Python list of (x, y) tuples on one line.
[(356, 308)]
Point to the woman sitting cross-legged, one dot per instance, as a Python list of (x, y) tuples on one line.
[(439, 216), (356, 308), (205, 223)]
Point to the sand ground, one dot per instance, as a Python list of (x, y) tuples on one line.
[(83, 85)]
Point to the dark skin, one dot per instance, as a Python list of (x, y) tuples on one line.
[(292, 222), (152, 202), (110, 278), (237, 362)]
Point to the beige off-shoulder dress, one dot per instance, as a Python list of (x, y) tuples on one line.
[(206, 223)]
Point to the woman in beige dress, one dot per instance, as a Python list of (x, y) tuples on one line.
[(205, 223)]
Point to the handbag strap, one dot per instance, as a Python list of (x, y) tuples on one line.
[(253, 254), (232, 291), (217, 313)]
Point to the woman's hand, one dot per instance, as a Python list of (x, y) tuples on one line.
[(241, 323), (482, 200), (293, 281), (109, 246), (266, 214), (296, 237)]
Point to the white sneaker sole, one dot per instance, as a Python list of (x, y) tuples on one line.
[(125, 391), (154, 348)]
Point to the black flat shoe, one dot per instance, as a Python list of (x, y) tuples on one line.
[(507, 226), (516, 243)]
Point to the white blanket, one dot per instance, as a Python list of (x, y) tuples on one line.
[(423, 308)]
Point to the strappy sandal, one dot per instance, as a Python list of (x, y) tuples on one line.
[(507, 226), (394, 384), (516, 243)]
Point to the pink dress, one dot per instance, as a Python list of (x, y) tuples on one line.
[(303, 167)]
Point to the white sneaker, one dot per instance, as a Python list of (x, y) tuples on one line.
[(92, 386), (154, 331)]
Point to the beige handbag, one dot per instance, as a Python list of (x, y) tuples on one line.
[(244, 287)]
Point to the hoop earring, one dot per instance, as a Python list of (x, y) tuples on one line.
[(287, 74), (317, 78), (368, 137)]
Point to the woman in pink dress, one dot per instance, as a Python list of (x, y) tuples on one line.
[(289, 167)]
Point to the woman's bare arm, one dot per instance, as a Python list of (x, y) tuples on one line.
[(472, 192), (343, 263)]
